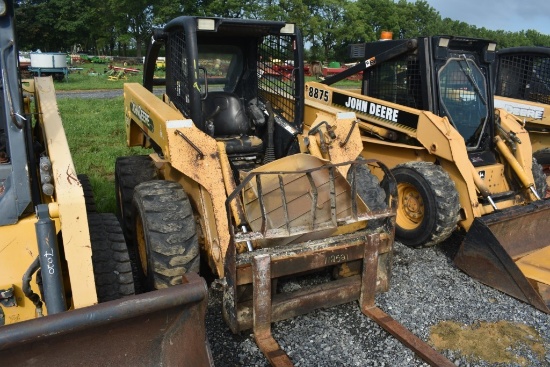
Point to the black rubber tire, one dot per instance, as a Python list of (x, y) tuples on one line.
[(88, 193), (110, 259), (129, 172), (374, 196), (369, 190), (542, 158), (166, 233), (439, 204)]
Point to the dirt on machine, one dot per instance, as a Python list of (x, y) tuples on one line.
[(523, 89), (426, 110), (67, 294), (237, 186)]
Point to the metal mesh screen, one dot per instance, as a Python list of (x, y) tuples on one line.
[(176, 73), (524, 77), (275, 74), (397, 81)]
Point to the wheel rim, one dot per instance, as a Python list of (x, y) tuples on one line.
[(546, 170), (141, 245), (410, 212)]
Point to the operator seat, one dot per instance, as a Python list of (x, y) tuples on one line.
[(227, 121)]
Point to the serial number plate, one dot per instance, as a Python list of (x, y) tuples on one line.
[(336, 258)]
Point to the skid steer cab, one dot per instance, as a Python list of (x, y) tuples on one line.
[(426, 110), (67, 293), (235, 179), (523, 89)]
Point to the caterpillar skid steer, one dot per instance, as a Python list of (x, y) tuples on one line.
[(523, 89), (426, 110), (234, 179), (66, 283)]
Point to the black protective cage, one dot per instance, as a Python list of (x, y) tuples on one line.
[(410, 78), (523, 73), (265, 48)]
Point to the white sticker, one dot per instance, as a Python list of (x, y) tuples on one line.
[(520, 109), (174, 124), (345, 115)]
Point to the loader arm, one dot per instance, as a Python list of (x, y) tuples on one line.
[(534, 115), (183, 148), (358, 51), (523, 89)]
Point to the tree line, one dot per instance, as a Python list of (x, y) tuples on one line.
[(123, 27)]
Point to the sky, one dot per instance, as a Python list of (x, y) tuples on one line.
[(507, 15)]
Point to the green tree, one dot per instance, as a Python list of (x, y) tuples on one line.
[(325, 22), (380, 15), (166, 10), (118, 26), (232, 8), (134, 18), (417, 19)]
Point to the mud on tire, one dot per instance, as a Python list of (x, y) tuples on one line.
[(428, 204), (166, 235), (369, 190)]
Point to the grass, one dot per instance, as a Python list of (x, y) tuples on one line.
[(502, 342), (96, 134), (96, 76)]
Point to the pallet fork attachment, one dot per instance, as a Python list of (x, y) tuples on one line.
[(261, 268), (262, 308)]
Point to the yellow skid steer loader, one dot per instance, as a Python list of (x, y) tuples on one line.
[(426, 110), (234, 178), (66, 283)]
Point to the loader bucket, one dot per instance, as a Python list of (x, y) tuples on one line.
[(161, 328), (510, 250)]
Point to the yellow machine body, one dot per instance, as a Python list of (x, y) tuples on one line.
[(499, 198)]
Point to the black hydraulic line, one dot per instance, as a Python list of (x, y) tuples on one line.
[(27, 277), (50, 262)]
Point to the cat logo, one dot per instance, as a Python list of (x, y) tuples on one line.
[(482, 174)]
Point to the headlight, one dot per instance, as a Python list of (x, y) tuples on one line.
[(3, 7)]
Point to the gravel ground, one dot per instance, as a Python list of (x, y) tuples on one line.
[(426, 288)]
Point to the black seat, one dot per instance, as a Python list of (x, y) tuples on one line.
[(226, 113)]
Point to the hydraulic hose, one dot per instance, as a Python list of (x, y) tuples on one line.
[(27, 278)]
